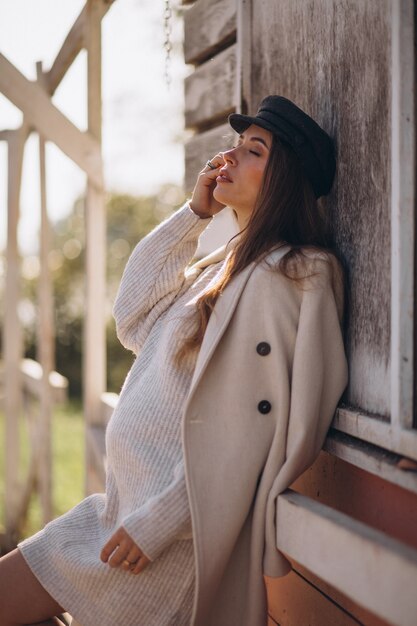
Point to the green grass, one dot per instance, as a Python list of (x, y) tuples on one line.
[(67, 465)]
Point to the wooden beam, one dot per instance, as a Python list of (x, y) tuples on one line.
[(12, 332), (370, 458), (73, 44), (367, 565), (376, 430), (45, 338), (6, 134), (40, 113), (94, 354), (210, 91), (209, 26)]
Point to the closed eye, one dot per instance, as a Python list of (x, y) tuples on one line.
[(251, 151)]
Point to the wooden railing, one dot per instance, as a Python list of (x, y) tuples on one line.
[(38, 474), (34, 99)]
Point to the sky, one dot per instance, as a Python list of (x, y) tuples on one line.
[(143, 126)]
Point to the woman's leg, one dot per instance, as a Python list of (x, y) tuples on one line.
[(23, 600)]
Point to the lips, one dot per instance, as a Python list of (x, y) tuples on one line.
[(223, 177)]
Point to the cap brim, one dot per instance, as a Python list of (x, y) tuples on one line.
[(240, 122)]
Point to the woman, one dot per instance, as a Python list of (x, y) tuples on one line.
[(240, 367)]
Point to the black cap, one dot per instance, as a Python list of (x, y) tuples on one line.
[(309, 141)]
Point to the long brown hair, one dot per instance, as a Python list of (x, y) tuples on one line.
[(286, 212)]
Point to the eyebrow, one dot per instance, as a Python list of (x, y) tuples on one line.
[(262, 141)]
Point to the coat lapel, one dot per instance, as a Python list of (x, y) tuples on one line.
[(221, 315)]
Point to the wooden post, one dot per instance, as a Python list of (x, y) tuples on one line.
[(12, 333), (403, 198), (94, 362), (45, 340)]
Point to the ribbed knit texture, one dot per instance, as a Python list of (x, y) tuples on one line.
[(145, 485)]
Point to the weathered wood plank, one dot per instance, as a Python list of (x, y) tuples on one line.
[(361, 495), (331, 544), (210, 92), (403, 207), (202, 147), (39, 112), (330, 595), (370, 458), (209, 25), (377, 431), (287, 609)]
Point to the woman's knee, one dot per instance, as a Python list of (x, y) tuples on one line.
[(23, 600)]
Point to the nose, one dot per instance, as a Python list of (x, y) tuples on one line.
[(229, 156)]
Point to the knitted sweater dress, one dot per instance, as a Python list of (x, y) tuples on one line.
[(145, 483)]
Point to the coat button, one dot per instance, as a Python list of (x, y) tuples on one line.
[(264, 407), (263, 348)]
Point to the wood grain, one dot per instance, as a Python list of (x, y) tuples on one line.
[(292, 601), (333, 58), (210, 92), (209, 26), (367, 565)]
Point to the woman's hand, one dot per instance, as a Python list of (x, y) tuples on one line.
[(202, 201), (121, 551)]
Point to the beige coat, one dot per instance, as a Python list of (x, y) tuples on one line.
[(239, 456)]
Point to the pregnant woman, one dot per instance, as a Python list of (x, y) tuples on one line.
[(240, 365)]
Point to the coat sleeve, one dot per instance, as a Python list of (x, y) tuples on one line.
[(162, 519), (154, 275), (319, 375)]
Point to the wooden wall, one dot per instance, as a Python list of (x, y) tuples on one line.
[(332, 57)]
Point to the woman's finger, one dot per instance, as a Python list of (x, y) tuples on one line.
[(109, 547), (119, 554), (217, 161), (132, 557), (140, 565)]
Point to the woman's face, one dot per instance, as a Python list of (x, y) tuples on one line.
[(240, 178)]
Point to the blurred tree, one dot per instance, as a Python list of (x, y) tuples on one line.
[(129, 219)]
